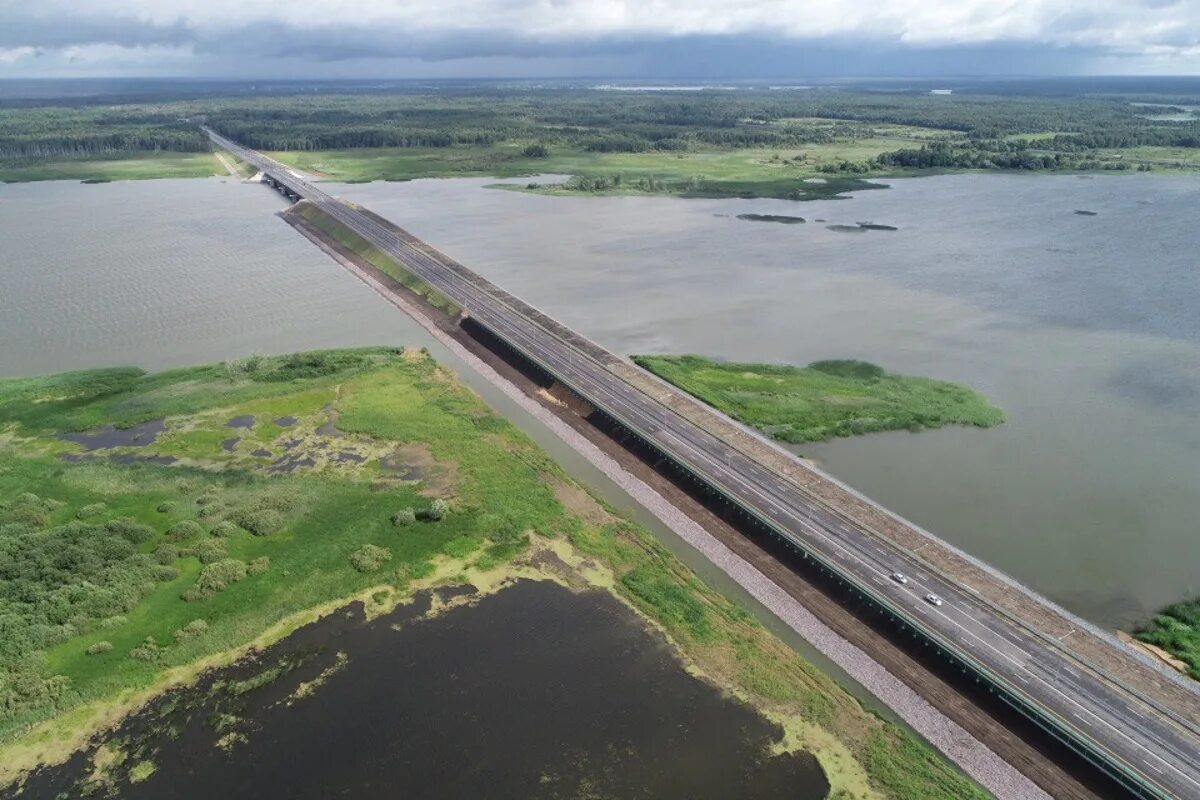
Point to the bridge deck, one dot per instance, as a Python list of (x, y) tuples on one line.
[(1134, 720)]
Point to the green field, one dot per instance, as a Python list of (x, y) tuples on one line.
[(824, 400), (750, 172), (118, 579), (1176, 629), (123, 167)]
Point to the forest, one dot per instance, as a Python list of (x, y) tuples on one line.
[(974, 131)]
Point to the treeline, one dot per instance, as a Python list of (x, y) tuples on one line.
[(1017, 155), (591, 121)]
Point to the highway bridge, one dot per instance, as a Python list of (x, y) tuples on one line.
[(1134, 737)]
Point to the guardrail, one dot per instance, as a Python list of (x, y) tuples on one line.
[(1027, 706)]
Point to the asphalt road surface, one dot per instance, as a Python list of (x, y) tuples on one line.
[(1149, 745)]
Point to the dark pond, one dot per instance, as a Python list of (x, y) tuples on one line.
[(108, 436), (535, 692), (244, 421), (285, 422), (229, 445)]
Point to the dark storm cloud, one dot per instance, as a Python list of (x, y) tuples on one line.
[(19, 29)]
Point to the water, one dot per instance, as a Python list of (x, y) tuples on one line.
[(176, 272), (560, 695), (1083, 328)]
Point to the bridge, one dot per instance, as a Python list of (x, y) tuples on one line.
[(1136, 726)]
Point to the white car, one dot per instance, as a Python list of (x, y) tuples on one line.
[(933, 599), (899, 577)]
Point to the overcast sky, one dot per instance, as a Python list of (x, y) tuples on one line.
[(631, 38)]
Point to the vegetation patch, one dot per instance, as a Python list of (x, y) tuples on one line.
[(1176, 629), (824, 400), (98, 615)]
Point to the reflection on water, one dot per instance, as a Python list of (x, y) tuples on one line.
[(535, 692), (1083, 328)]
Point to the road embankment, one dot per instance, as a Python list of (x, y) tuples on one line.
[(944, 714)]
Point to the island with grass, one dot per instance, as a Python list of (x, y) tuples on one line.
[(162, 536), (824, 400)]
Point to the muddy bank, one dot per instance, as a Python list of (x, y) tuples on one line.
[(536, 691)]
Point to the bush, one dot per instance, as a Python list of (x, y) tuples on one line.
[(258, 565), (216, 578), (225, 528), (536, 150), (437, 509), (261, 522), (167, 506), (130, 530), (405, 516), (166, 554), (98, 648), (369, 558), (210, 551), (196, 627), (148, 650), (89, 511), (182, 531)]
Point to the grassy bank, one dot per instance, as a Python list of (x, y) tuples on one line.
[(374, 256), (1176, 629), (299, 482), (123, 167), (824, 400)]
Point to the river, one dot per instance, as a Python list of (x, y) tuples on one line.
[(1083, 327)]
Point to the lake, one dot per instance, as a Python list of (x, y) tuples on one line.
[(560, 694), (1083, 327)]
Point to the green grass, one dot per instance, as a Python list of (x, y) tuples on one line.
[(825, 399), (1176, 629), (123, 167), (733, 172), (376, 257), (337, 540)]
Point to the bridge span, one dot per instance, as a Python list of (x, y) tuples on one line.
[(1138, 727)]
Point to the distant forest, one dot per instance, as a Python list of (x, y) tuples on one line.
[(986, 131)]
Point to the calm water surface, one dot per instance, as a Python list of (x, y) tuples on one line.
[(1084, 328), (559, 695)]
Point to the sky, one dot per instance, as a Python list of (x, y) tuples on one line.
[(727, 39)]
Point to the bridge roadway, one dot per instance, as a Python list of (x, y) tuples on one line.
[(1148, 748)]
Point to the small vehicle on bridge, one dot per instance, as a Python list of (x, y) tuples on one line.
[(933, 599), (899, 577)]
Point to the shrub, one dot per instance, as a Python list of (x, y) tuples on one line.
[(181, 531), (167, 506), (164, 572), (261, 522), (405, 516), (115, 621), (216, 578), (437, 509), (258, 565), (196, 627), (148, 650), (99, 648), (166, 554), (370, 558), (130, 530), (536, 150), (225, 528), (210, 551), (92, 510)]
